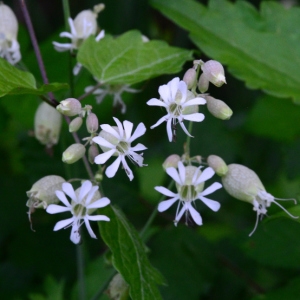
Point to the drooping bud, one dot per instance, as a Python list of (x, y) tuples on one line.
[(190, 78), (218, 108), (243, 184), (214, 72), (92, 153), (69, 107), (9, 46), (73, 153), (47, 124), (171, 161), (85, 24), (118, 289), (218, 164), (75, 124), (92, 123)]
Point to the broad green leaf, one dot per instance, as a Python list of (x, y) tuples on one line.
[(271, 243), (16, 82), (275, 119), (261, 48), (128, 60), (129, 256)]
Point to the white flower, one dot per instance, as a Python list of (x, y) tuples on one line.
[(117, 141), (115, 91), (84, 25), (180, 104), (81, 207), (189, 182), (9, 46)]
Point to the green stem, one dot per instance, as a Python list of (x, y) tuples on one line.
[(80, 272)]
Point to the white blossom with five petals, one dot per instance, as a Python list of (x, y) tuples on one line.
[(180, 103), (81, 206), (117, 141), (189, 182)]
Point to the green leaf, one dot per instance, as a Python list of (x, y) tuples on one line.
[(271, 244), (128, 60), (16, 82), (275, 119), (129, 255), (261, 48)]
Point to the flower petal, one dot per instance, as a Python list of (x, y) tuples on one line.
[(183, 89), (195, 215), (173, 86), (169, 130), (64, 223), (179, 215), (174, 174), (85, 188), (164, 93), (212, 204), (128, 129), (195, 101), (91, 194), (54, 209), (99, 203), (110, 130), (120, 127), (164, 205), (156, 102), (103, 157), (103, 142), (205, 175), (113, 168), (98, 218), (139, 131), (62, 197), (161, 120), (126, 168), (165, 191), (69, 190), (215, 186), (181, 169), (138, 147), (196, 117), (184, 129), (75, 236), (89, 228)]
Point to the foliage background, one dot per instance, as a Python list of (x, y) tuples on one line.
[(214, 261)]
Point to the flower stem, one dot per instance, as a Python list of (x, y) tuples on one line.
[(80, 272), (36, 47)]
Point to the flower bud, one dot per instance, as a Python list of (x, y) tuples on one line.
[(92, 153), (73, 153), (218, 108), (75, 124), (171, 161), (69, 107), (47, 124), (42, 193), (218, 164), (9, 46), (214, 72), (190, 78), (85, 24), (92, 123), (203, 83), (118, 288), (242, 183)]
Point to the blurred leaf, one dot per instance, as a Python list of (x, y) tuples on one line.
[(128, 60), (291, 292), (260, 48), (129, 255), (187, 262), (273, 118), (271, 244), (53, 288), (16, 82)]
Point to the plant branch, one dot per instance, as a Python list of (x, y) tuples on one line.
[(36, 47), (89, 92)]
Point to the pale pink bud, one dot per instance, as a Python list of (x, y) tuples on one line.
[(218, 164), (92, 153), (171, 161), (218, 108), (73, 153), (69, 107), (214, 72), (203, 83), (190, 78), (92, 123), (75, 124)]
